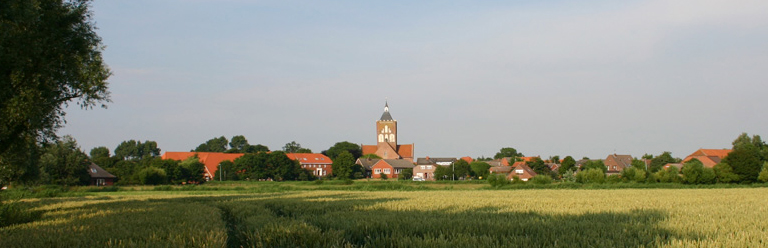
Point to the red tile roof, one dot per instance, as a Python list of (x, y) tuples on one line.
[(310, 158), (211, 160), (708, 157)]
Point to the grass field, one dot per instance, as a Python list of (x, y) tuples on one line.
[(245, 215)]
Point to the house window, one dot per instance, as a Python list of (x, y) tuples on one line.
[(377, 171), (423, 167), (387, 171), (614, 167), (519, 172), (93, 170), (397, 171), (429, 167)]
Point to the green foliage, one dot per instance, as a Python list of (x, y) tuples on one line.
[(50, 55), (594, 164), (213, 145), (343, 165), (658, 162), (461, 169), (746, 158), (669, 175), (507, 152), (724, 173), (569, 175), (15, 212), (763, 176), (152, 176), (692, 171), (443, 172), (538, 166), (541, 179), (135, 150), (63, 163), (567, 165), (383, 176), (226, 171), (613, 179), (633, 174), (406, 174), (640, 164), (190, 170), (497, 180), (708, 176), (294, 147), (275, 165), (480, 169), (591, 175), (340, 147)]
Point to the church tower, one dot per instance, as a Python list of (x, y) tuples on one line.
[(386, 129)]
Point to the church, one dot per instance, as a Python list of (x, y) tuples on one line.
[(386, 135)]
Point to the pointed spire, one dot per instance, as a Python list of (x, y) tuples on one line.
[(386, 116)]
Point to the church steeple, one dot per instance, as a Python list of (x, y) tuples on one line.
[(386, 116)]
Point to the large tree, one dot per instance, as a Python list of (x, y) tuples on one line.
[(64, 163), (507, 152), (746, 158), (213, 145), (343, 165), (659, 161), (340, 147), (480, 169), (50, 56), (567, 165), (135, 150)]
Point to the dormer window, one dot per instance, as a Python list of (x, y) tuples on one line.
[(93, 170)]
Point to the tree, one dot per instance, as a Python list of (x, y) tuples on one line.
[(340, 147), (554, 159), (507, 152), (443, 172), (190, 170), (294, 147), (213, 145), (668, 175), (225, 171), (152, 176), (135, 150), (724, 173), (594, 164), (763, 176), (633, 174), (659, 161), (50, 55), (238, 144), (497, 180), (647, 156), (746, 158), (568, 164), (692, 171), (480, 169), (591, 175), (640, 164), (538, 166), (342, 165), (406, 174), (461, 169), (64, 163)]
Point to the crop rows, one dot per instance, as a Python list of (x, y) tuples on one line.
[(435, 218)]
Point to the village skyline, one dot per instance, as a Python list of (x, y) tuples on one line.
[(463, 79)]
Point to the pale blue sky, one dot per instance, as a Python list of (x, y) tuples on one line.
[(585, 78)]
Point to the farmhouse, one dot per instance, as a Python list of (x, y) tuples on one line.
[(390, 167), (319, 164), (99, 176), (708, 157), (617, 163), (522, 171), (425, 167)]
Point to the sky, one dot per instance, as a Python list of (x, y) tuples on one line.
[(462, 78)]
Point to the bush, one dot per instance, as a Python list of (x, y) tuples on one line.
[(724, 173), (669, 175), (516, 179), (497, 180), (613, 179), (708, 176), (763, 176), (633, 174), (152, 176), (594, 175), (541, 179), (692, 171), (383, 176)]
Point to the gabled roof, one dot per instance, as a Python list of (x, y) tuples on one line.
[(405, 151), (367, 163), (721, 153), (309, 158), (97, 172), (468, 159), (521, 166), (622, 160), (397, 163)]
